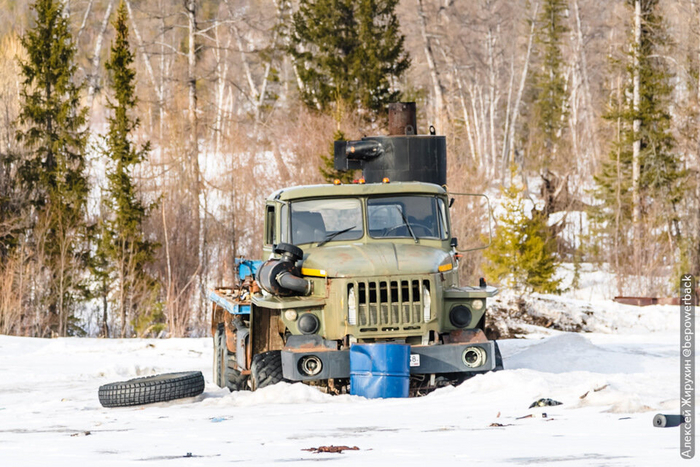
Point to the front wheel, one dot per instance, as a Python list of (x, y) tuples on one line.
[(266, 369)]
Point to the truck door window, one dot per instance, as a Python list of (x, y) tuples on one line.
[(312, 221), (270, 225)]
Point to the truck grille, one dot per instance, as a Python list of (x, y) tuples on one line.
[(389, 305)]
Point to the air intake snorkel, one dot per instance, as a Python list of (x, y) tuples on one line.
[(282, 276)]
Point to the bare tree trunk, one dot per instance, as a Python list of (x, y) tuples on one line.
[(637, 124), (84, 22), (492, 105), (618, 191), (95, 75), (193, 150), (583, 67), (438, 103), (169, 292), (221, 74), (144, 55), (191, 6), (519, 95), (506, 127)]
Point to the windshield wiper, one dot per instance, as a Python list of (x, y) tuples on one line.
[(408, 226), (332, 235)]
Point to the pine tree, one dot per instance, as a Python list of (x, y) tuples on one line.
[(659, 182), (522, 254), (125, 249), (53, 171), (549, 84), (348, 50)]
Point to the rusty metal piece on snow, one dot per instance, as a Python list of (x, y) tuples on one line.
[(331, 448), (647, 301)]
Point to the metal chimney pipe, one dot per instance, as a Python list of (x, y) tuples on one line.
[(402, 119)]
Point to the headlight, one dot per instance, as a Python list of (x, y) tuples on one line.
[(290, 315), (310, 365), (460, 316), (474, 357), (308, 323), (426, 304), (352, 308), (477, 304)]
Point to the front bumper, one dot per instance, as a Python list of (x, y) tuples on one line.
[(425, 359)]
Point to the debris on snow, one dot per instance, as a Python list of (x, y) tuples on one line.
[(545, 403), (331, 448)]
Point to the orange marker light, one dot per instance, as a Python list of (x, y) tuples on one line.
[(361, 181), (385, 180), (336, 181)]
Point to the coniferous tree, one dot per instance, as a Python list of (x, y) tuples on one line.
[(53, 170), (123, 250), (549, 84), (647, 123), (348, 50), (522, 254)]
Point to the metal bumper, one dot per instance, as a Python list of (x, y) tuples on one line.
[(425, 359)]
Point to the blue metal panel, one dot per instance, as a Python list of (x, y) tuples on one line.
[(247, 267), (233, 308)]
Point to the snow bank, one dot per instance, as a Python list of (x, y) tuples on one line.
[(610, 384)]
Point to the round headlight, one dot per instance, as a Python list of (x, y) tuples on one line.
[(460, 316), (308, 323), (310, 365), (477, 304), (474, 357), (290, 315)]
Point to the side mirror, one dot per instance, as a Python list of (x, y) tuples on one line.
[(453, 241), (477, 202), (452, 201)]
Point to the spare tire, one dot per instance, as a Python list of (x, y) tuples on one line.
[(150, 389)]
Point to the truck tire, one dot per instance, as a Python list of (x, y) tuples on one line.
[(235, 381), (266, 369), (150, 389), (220, 356)]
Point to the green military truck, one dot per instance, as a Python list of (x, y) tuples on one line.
[(368, 262)]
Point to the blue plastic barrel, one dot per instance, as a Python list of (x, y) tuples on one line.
[(379, 370)]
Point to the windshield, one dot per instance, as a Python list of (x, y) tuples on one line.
[(324, 220), (407, 216)]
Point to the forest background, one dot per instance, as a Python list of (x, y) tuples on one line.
[(579, 117)]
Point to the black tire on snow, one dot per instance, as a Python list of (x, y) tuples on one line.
[(499, 357), (266, 369), (226, 375), (235, 381), (150, 389), (220, 356)]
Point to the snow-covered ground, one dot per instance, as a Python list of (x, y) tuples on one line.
[(50, 415)]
